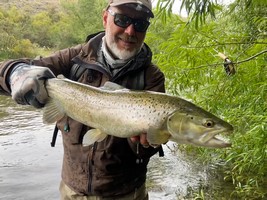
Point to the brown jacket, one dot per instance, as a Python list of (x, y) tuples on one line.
[(114, 166)]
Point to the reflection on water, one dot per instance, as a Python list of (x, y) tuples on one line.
[(30, 168), (170, 177)]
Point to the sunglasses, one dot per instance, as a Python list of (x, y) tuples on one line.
[(123, 21)]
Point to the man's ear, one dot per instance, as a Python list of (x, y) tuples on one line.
[(105, 17)]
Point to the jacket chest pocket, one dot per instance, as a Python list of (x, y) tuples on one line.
[(91, 77)]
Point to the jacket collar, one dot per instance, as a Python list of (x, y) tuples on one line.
[(141, 60)]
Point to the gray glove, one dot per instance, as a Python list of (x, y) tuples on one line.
[(27, 84)]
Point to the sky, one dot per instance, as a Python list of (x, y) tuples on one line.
[(177, 4)]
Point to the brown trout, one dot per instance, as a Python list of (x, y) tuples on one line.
[(114, 110)]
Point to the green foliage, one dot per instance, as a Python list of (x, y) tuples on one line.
[(164, 9), (23, 48), (159, 31), (24, 31), (248, 157), (197, 10), (189, 58), (82, 18), (40, 26), (200, 9), (15, 35)]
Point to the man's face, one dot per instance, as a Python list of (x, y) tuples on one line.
[(123, 43)]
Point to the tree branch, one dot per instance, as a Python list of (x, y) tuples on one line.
[(220, 44), (235, 63), (250, 58)]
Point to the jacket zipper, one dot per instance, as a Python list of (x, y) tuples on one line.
[(91, 165)]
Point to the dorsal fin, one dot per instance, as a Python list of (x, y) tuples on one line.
[(112, 86), (61, 76)]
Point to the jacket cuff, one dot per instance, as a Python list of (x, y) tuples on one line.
[(5, 71)]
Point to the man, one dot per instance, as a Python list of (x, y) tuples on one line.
[(116, 167)]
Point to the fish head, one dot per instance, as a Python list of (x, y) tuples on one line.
[(198, 129)]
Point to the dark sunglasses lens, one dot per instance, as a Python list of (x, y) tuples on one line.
[(124, 21), (141, 25)]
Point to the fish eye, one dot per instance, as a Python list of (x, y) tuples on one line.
[(208, 123)]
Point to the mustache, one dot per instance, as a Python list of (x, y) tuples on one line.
[(128, 38)]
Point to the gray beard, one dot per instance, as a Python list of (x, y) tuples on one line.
[(113, 62)]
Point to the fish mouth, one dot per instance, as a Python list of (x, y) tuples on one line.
[(221, 141), (215, 139)]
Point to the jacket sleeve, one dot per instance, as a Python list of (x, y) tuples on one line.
[(154, 79), (59, 63)]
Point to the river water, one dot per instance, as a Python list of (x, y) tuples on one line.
[(30, 168)]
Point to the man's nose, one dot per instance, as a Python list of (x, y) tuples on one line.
[(130, 30)]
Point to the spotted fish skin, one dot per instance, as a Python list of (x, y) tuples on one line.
[(114, 110)]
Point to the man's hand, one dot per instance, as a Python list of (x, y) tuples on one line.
[(27, 84), (142, 139)]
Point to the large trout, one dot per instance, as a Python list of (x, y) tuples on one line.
[(114, 110)]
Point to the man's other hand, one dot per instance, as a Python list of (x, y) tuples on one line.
[(27, 84)]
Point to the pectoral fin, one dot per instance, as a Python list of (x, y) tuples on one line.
[(156, 136), (93, 135), (52, 112)]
